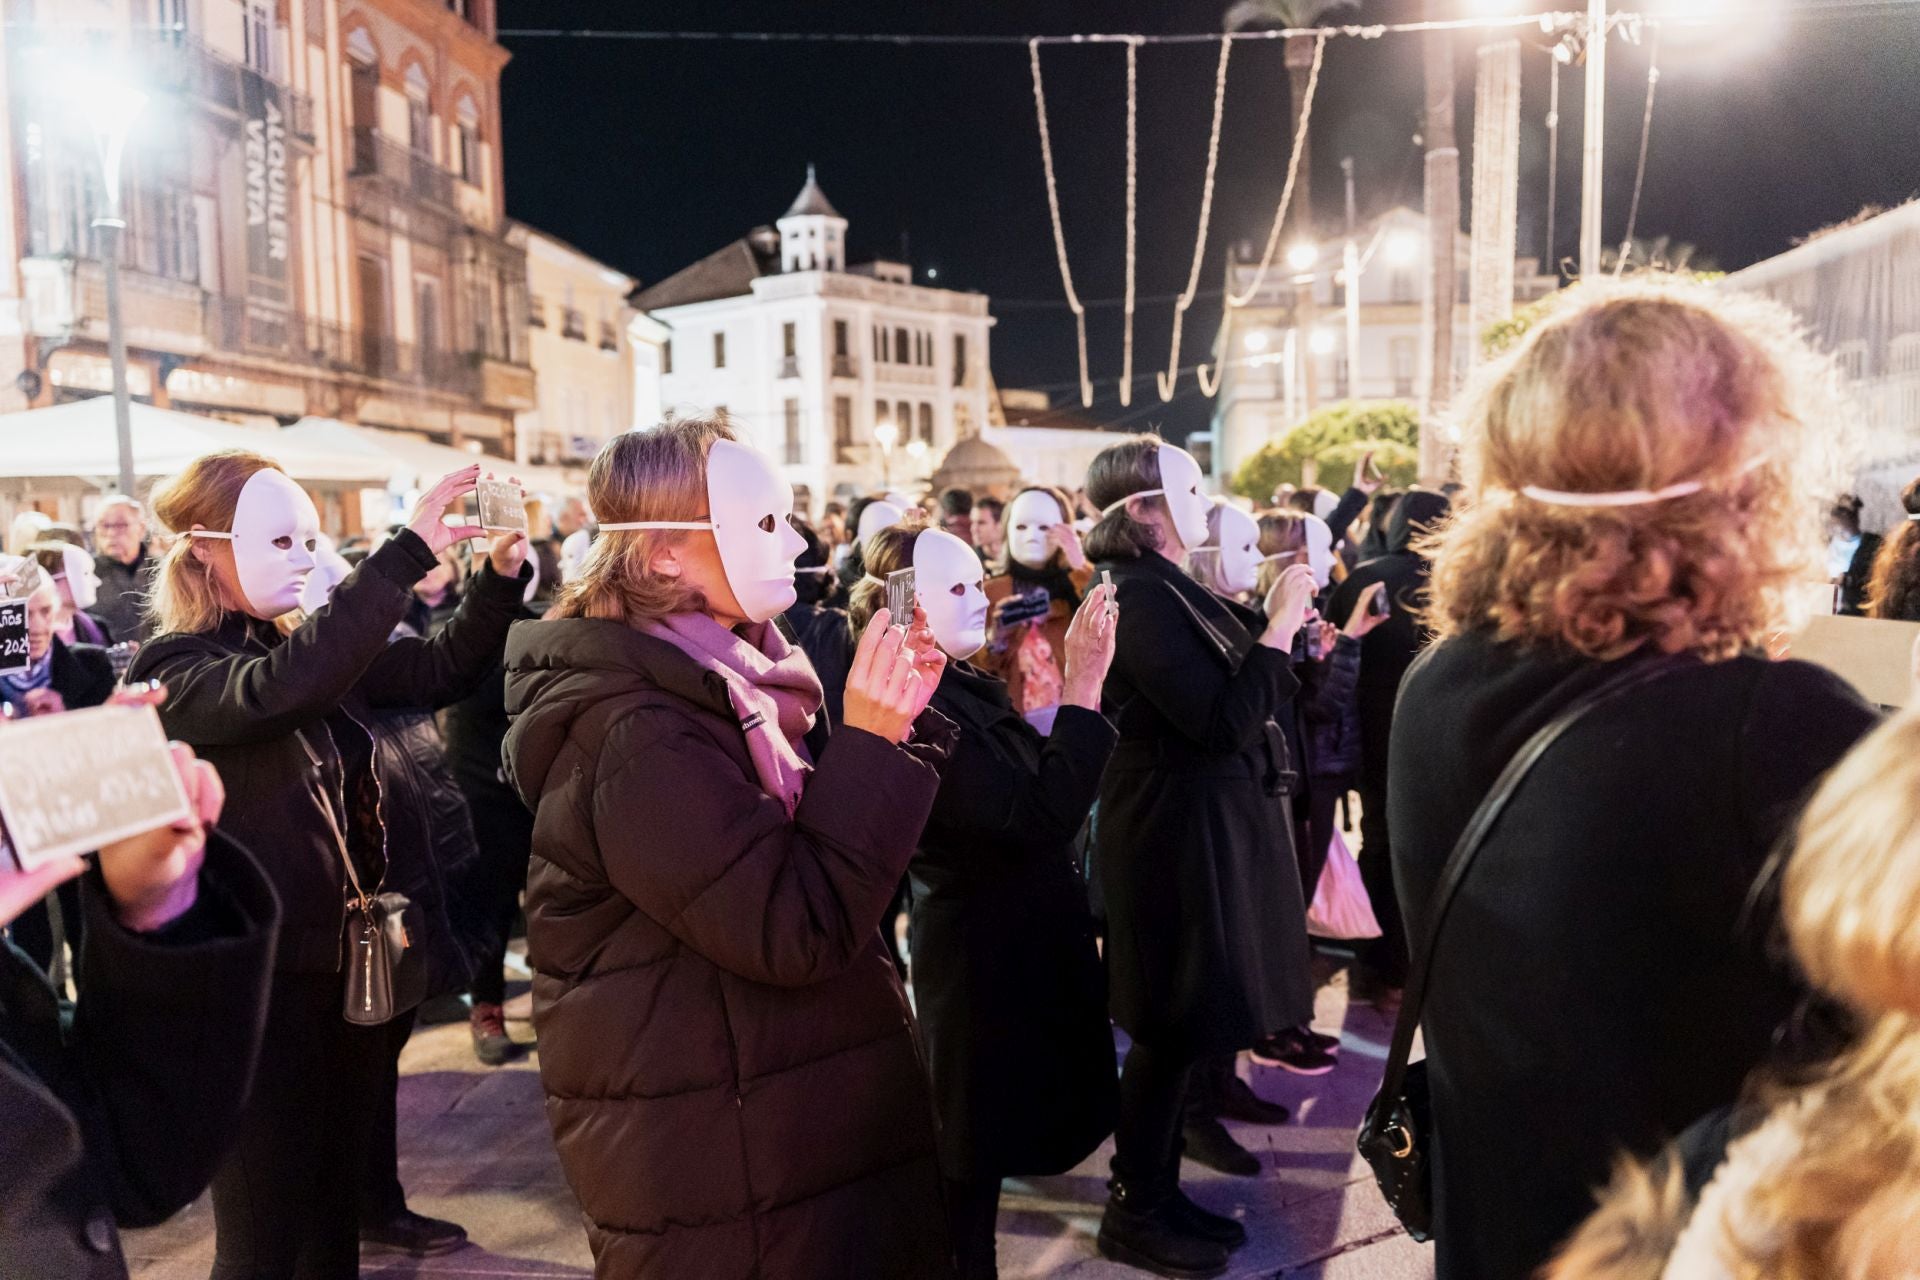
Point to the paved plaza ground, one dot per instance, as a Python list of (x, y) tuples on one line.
[(474, 1147)]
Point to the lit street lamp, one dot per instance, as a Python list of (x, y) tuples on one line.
[(886, 435)]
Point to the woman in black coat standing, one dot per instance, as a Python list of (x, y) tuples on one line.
[(1206, 928), (1643, 463), (288, 719), (1006, 973)]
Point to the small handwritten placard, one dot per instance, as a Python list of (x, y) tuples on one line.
[(13, 637), (503, 506), (72, 782)]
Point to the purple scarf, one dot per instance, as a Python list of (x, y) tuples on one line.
[(772, 686)]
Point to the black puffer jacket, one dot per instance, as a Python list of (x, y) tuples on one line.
[(732, 1072), (1330, 714), (288, 721)]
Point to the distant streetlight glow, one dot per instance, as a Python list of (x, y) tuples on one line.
[(1321, 342), (1258, 340), (1303, 256), (886, 433), (1402, 248), (916, 449)]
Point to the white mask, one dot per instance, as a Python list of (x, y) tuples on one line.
[(330, 569), (1028, 517), (275, 533), (875, 516), (1238, 548), (750, 511), (82, 583), (949, 583), (1180, 484), (1319, 551)]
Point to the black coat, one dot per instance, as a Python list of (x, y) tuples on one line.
[(826, 636), (1206, 930), (289, 722), (1330, 716), (1859, 576), (1006, 974), (732, 1072), (1601, 981), (82, 674), (1391, 647), (123, 594), (121, 1120)]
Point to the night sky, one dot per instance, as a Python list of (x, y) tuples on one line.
[(653, 154)]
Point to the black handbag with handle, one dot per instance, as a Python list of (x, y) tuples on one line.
[(1396, 1137)]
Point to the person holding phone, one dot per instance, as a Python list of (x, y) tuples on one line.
[(285, 712), (119, 1119), (732, 1073), (1034, 596)]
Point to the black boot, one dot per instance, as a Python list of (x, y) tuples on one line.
[(1205, 1223), (1148, 1237), (1238, 1101), (1209, 1144)]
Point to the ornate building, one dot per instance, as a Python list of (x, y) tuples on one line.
[(313, 205)]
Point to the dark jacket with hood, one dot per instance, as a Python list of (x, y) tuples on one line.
[(1193, 840), (119, 1120), (1006, 973), (1391, 647), (288, 721), (732, 1072)]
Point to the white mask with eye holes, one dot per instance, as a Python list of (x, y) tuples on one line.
[(83, 584), (877, 515), (1028, 517), (1180, 484), (1238, 549), (949, 584), (275, 535)]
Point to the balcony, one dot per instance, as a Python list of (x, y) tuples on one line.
[(573, 324), (609, 337), (183, 65), (789, 368), (844, 367), (377, 157)]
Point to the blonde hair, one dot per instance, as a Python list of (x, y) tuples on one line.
[(887, 551), (657, 474), (1282, 532), (1829, 1189), (1635, 385), (186, 595)]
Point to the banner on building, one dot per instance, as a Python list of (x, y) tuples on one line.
[(268, 194)]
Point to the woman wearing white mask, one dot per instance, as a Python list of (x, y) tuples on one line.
[(1043, 557), (731, 1071), (1206, 928), (1006, 973), (286, 715), (71, 569)]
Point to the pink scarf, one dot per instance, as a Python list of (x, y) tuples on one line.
[(772, 686)]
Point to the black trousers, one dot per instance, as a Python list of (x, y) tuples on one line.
[(1384, 958), (504, 830), (1146, 1139), (973, 1209), (382, 1198), (286, 1198)]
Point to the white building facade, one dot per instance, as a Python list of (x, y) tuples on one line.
[(580, 341), (1265, 347), (809, 357)]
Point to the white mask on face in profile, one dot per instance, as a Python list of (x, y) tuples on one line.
[(1238, 549), (1319, 551), (948, 581), (749, 510), (1027, 520), (82, 583), (330, 569), (1181, 485), (275, 533), (875, 516)]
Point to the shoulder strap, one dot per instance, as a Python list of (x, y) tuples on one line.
[(1475, 835)]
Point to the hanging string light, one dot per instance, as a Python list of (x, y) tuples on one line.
[(1640, 170), (1059, 231), (1133, 186), (1167, 380)]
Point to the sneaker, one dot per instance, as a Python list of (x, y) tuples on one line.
[(1291, 1051), (490, 1041), (1321, 1040), (1205, 1223), (1238, 1101), (1151, 1240), (1209, 1144), (413, 1234)]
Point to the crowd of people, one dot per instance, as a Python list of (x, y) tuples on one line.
[(1103, 755)]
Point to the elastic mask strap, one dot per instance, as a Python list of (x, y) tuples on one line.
[(1628, 497), (210, 533), (1144, 493), (657, 524)]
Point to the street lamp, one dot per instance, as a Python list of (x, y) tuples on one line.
[(886, 435), (1303, 256), (1258, 340), (110, 106)]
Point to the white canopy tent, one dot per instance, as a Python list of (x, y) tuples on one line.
[(77, 441), (410, 462)]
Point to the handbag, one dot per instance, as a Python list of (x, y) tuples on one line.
[(386, 973), (1396, 1136), (1341, 909)]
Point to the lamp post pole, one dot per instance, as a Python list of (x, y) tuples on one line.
[(887, 435), (1593, 150), (113, 121)]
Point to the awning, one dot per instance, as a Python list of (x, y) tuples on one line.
[(78, 440), (409, 462)]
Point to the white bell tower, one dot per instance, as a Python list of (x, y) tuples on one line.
[(813, 235)]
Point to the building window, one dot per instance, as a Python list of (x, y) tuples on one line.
[(573, 324), (796, 451), (466, 142), (419, 112), (1852, 359), (256, 35), (840, 339), (1400, 287), (788, 340), (719, 350), (536, 311), (170, 17), (959, 359), (903, 418), (843, 429), (666, 356), (609, 336), (880, 412), (900, 355), (1406, 359), (926, 422), (879, 344)]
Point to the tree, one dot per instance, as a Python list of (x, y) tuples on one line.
[(1333, 440)]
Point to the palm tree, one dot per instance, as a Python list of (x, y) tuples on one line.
[(1276, 15)]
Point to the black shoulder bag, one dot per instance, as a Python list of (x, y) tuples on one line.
[(1397, 1135)]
